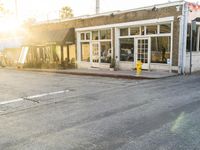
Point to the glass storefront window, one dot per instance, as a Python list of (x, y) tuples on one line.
[(127, 49), (153, 29), (165, 28), (195, 38), (72, 53), (96, 46), (106, 52), (160, 49), (85, 51), (142, 50), (87, 36), (124, 32), (142, 30), (95, 35), (95, 52), (198, 38), (82, 36), (105, 34), (135, 31)]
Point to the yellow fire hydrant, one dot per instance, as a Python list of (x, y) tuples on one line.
[(138, 67)]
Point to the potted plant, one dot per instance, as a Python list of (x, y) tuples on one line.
[(112, 65)]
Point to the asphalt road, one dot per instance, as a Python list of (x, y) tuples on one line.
[(46, 111)]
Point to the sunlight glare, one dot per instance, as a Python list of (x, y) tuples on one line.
[(9, 25)]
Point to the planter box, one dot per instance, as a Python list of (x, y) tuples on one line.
[(112, 69)]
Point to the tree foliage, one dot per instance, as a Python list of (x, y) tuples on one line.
[(66, 12), (4, 11), (1, 8)]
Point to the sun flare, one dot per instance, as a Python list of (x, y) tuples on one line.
[(9, 25)]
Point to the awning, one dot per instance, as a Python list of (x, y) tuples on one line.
[(50, 37)]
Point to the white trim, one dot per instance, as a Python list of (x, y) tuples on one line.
[(112, 44), (198, 38), (171, 46), (144, 65), (78, 47), (159, 29), (95, 64), (91, 42), (117, 45), (127, 24), (141, 36), (149, 53)]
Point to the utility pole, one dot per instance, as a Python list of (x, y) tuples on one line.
[(97, 6), (191, 44)]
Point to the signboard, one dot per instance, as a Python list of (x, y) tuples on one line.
[(168, 61)]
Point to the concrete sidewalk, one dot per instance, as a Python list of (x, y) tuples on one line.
[(108, 73)]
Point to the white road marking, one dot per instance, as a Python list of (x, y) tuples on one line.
[(11, 101), (33, 97)]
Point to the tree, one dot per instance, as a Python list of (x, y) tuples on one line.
[(66, 12)]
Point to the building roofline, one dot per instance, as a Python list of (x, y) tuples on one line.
[(168, 4)]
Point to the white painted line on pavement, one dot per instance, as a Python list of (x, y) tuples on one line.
[(11, 101), (33, 97)]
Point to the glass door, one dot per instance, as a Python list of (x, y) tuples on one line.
[(95, 54), (143, 52)]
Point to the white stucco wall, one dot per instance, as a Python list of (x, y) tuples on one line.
[(88, 65), (153, 66), (195, 62)]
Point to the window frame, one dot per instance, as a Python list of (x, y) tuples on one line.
[(145, 30), (170, 44), (84, 42), (157, 26), (165, 24), (120, 49), (146, 36), (91, 41), (198, 40)]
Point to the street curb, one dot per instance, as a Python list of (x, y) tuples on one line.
[(95, 74)]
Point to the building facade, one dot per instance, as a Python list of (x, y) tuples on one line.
[(49, 48), (150, 35), (158, 36)]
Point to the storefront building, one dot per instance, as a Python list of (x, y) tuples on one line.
[(149, 41), (157, 35), (49, 49), (149, 35)]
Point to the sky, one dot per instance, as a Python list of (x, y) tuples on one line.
[(49, 9)]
